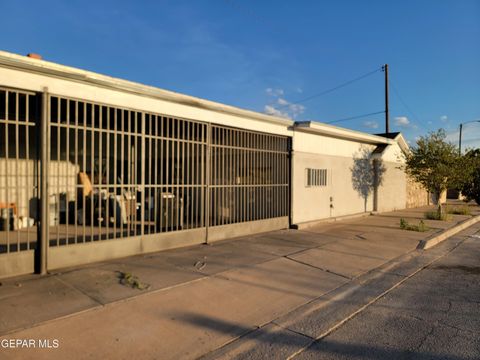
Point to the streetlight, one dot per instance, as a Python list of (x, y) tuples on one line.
[(460, 135)]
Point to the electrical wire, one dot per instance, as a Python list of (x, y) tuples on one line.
[(325, 92), (356, 117)]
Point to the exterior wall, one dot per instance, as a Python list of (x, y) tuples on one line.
[(338, 157), (392, 192), (57, 86), (416, 194)]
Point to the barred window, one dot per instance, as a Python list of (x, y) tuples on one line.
[(316, 177)]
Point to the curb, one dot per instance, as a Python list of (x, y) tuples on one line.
[(309, 224), (436, 239)]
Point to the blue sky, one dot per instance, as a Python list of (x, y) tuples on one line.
[(267, 55)]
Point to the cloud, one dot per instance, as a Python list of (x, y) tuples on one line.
[(370, 124), (282, 107), (270, 110), (402, 121), (274, 92), (444, 118)]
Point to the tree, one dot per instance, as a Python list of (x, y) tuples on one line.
[(367, 174), (471, 185), (436, 164)]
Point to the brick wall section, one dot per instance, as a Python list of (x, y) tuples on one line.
[(416, 194)]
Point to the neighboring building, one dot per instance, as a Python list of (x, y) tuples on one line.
[(129, 169)]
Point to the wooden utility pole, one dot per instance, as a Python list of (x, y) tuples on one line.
[(387, 120)]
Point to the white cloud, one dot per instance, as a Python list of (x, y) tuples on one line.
[(402, 121), (270, 110), (370, 124), (274, 92), (281, 106), (444, 118)]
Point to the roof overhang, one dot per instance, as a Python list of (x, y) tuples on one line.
[(18, 62), (341, 133)]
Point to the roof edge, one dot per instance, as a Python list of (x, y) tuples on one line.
[(43, 67), (343, 133)]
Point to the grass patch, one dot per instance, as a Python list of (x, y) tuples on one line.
[(437, 215), (421, 227), (459, 210)]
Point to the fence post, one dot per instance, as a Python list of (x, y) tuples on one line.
[(41, 250)]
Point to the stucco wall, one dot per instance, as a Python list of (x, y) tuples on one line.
[(57, 86), (392, 192), (313, 203), (416, 194)]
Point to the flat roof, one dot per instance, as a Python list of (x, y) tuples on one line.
[(342, 133), (25, 63)]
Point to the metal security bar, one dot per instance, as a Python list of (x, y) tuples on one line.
[(249, 176), (19, 169), (117, 173), (175, 153)]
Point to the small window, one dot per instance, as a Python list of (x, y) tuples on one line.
[(316, 177)]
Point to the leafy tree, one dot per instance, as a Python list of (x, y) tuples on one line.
[(471, 185), (436, 164)]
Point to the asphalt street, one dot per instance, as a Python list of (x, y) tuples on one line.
[(433, 315)]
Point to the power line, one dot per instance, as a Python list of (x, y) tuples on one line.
[(397, 93), (356, 117), (331, 89)]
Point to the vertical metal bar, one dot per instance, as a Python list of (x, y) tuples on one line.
[(187, 183), (67, 157), (84, 162), (76, 164), (17, 160), (7, 170), (115, 162), (41, 250), (208, 129), (177, 173), (160, 162), (167, 179), (122, 167), (57, 175), (27, 161), (100, 219), (129, 181), (107, 174), (92, 169), (142, 175)]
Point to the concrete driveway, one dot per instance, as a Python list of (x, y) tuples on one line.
[(199, 298)]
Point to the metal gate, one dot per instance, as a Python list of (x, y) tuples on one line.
[(120, 181), (249, 182), (19, 180)]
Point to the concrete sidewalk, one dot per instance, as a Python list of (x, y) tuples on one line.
[(204, 297)]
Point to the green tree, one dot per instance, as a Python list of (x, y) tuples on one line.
[(471, 185), (436, 164)]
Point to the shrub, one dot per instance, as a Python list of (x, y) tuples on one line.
[(421, 227), (459, 210), (436, 215)]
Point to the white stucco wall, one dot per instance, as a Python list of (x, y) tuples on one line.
[(310, 150), (337, 156), (63, 87)]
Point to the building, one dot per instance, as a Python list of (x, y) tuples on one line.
[(93, 167)]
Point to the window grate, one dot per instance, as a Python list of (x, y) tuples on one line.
[(316, 177)]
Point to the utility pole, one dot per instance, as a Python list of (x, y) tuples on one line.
[(460, 140), (387, 120)]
